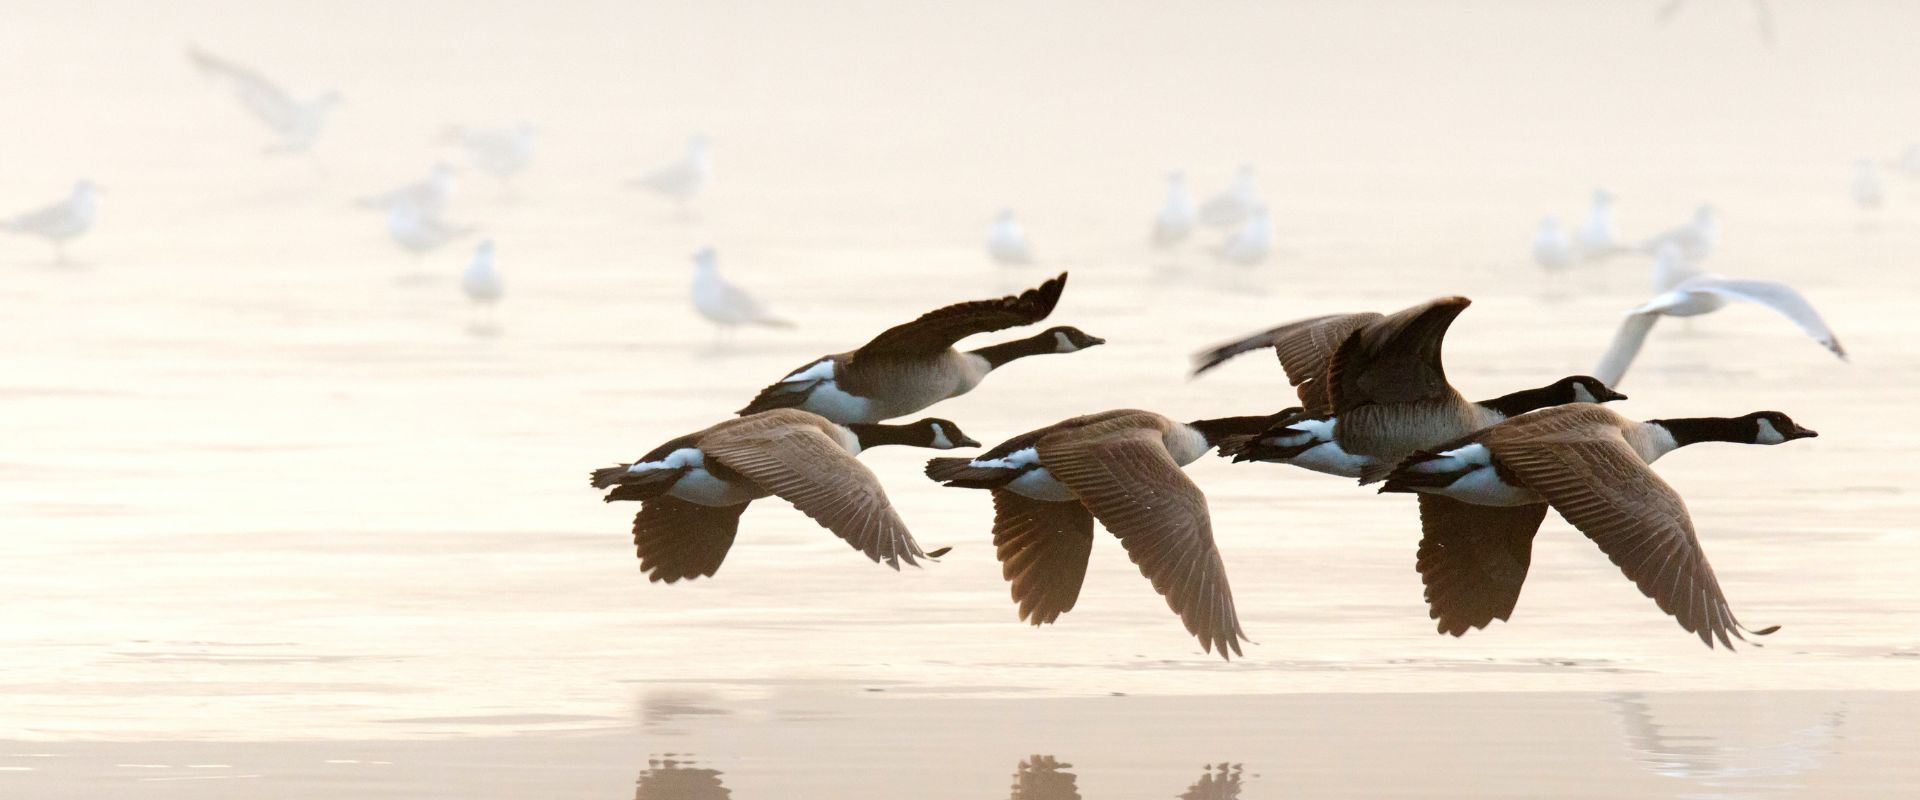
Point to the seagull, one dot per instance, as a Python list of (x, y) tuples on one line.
[(1597, 237), (725, 305), (1908, 163), (60, 221), (1552, 246), (297, 123), (1705, 293), (1007, 242), (1867, 192), (1252, 243), (1671, 267), (429, 194), (500, 152), (682, 180), (481, 283), (1695, 239), (420, 232), (1178, 216), (1231, 207)]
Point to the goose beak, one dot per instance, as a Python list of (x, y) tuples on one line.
[(1612, 397), (966, 442), (1805, 433)]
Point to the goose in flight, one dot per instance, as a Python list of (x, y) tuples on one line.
[(69, 218), (1704, 293), (298, 123)]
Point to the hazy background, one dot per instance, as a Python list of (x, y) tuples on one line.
[(270, 511)]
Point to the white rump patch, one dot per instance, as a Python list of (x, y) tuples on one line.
[(683, 457), (1018, 459)]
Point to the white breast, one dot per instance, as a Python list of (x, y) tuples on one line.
[(1185, 444), (1481, 486)]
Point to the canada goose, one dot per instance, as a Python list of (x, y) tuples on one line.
[(682, 180), (911, 366), (1482, 498), (1867, 190), (1007, 241), (1373, 389), (724, 304), (500, 152), (297, 123), (1597, 238), (1552, 245), (1697, 293), (67, 219), (1232, 206), (1177, 216), (693, 488), (1694, 240), (1122, 468)]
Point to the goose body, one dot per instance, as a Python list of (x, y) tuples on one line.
[(1483, 497), (298, 123), (1694, 293), (1121, 468), (1373, 389), (67, 219), (912, 366), (693, 488), (1007, 241), (724, 304), (685, 179), (1177, 216)]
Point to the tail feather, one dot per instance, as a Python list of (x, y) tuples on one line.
[(608, 476), (635, 485), (779, 395), (1400, 479), (960, 473)]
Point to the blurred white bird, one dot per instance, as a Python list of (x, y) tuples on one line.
[(1007, 242), (419, 232), (66, 219), (685, 179), (1908, 163), (430, 194), (1252, 243), (1867, 191), (1597, 237), (481, 282), (500, 152), (1177, 216), (1231, 207), (297, 123), (1552, 245), (1695, 239), (1671, 267), (725, 305), (1705, 293)]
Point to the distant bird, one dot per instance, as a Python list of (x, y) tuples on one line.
[(1762, 13), (430, 195), (1043, 778), (419, 232), (67, 219), (500, 152), (1232, 206), (683, 180), (1695, 240), (1483, 497), (1597, 238), (911, 366), (297, 123), (481, 282), (1252, 243), (1123, 468), (1705, 293), (1552, 245), (1908, 163), (1671, 268), (1177, 216), (1867, 190), (670, 779), (694, 488), (1007, 241), (725, 305)]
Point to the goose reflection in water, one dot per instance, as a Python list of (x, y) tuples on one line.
[(1046, 778), (672, 779), (1704, 759)]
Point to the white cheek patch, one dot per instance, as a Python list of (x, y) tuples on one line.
[(1767, 433), (940, 440), (1062, 344), (1581, 395)]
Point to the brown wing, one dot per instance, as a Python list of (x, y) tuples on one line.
[(1043, 548), (1121, 470), (937, 330), (678, 540), (1305, 348), (1473, 559), (1597, 481), (801, 465), (1395, 359)]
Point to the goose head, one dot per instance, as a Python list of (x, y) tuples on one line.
[(932, 432), (1586, 389), (1068, 339), (1773, 427)]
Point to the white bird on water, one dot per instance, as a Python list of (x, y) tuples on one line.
[(500, 152), (1867, 190), (420, 232), (725, 305), (1699, 293), (1177, 216), (1908, 163), (1007, 241), (1233, 206), (430, 194), (1252, 243), (66, 219), (298, 123), (1695, 240), (481, 282), (1597, 237), (1552, 245), (682, 180)]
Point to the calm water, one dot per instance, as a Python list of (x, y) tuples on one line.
[(281, 521)]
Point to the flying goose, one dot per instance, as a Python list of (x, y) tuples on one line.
[(1373, 389), (911, 366), (60, 221), (1552, 245), (682, 180), (297, 123), (500, 152), (1177, 216), (1122, 468), (1007, 241), (725, 305), (693, 489), (1232, 206), (1482, 498), (1694, 293)]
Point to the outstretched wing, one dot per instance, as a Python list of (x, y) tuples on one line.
[(1473, 559), (1777, 296), (937, 330), (678, 540), (1306, 349), (802, 466), (1395, 359), (1043, 548), (266, 100)]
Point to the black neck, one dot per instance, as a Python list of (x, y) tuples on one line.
[(1689, 430), (999, 354), (1525, 400), (874, 434), (1216, 429)]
